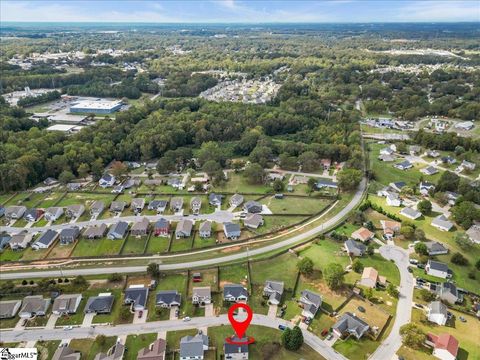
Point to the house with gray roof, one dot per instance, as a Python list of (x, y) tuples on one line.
[(2, 210), (473, 233), (236, 348), (118, 231), (106, 180), (310, 302), (168, 298), (45, 240), (205, 229), (236, 200), (9, 308), (53, 213), (410, 213), (14, 212), (404, 165), (33, 214), (326, 184), (74, 211), (74, 186), (438, 269), (95, 231), (234, 293), (97, 207), (4, 240), (117, 206), (437, 313), (34, 306), (137, 205), (20, 241), (140, 228), (354, 248), (273, 290), (448, 292), (441, 222), (350, 324), (215, 199), (158, 205), (231, 230), (176, 204), (136, 297), (253, 207), (201, 295), (66, 304), (66, 353), (184, 228), (116, 352), (100, 304), (435, 248), (69, 235), (253, 221), (429, 170), (195, 204), (193, 347)]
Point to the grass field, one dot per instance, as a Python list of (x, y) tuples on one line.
[(281, 268), (10, 255), (91, 347), (233, 274), (157, 245), (135, 343), (181, 244), (46, 349), (97, 247), (237, 183), (134, 245), (276, 223), (295, 205), (325, 252)]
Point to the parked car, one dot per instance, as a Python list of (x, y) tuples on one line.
[(68, 327), (282, 327), (410, 270), (186, 318), (140, 314), (177, 313), (329, 337), (324, 332), (361, 309), (462, 319)]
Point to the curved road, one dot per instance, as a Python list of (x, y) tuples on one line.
[(199, 263), (169, 325)]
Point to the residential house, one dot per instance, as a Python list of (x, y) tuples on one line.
[(432, 153), (387, 158), (215, 199), (158, 205), (9, 308), (272, 176), (74, 211), (410, 213), (140, 228), (371, 279), (438, 269), (106, 180), (116, 352), (473, 233), (168, 298), (426, 187), (452, 197), (445, 346), (32, 215), (45, 240), (196, 204), (201, 295), (398, 185), (387, 151), (236, 200), (74, 186), (299, 180), (193, 347), (448, 292), (118, 231), (404, 165), (175, 182), (101, 304), (2, 211), (49, 181), (468, 165), (205, 229), (464, 125), (236, 348), (350, 324), (14, 212), (176, 204), (414, 149), (435, 248), (97, 207), (34, 306), (235, 293), (69, 235), (95, 231), (393, 199), (363, 234), (253, 221), (442, 223), (155, 351), (429, 170), (354, 248), (152, 182), (20, 241), (390, 228), (4, 240), (437, 313), (253, 207), (273, 290), (53, 213), (326, 164), (137, 205), (310, 302), (136, 296), (231, 230), (117, 207), (326, 184), (184, 229), (66, 353), (66, 304), (162, 228), (448, 160)]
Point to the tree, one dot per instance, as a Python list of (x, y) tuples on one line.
[(292, 339), (286, 336), (165, 165), (421, 248), (392, 290), (477, 264), (312, 184), (79, 281), (83, 170), (66, 176), (115, 277), (465, 213), (348, 179), (368, 293), (462, 240), (278, 185), (254, 174), (448, 182), (125, 313), (370, 249), (407, 231), (459, 259), (153, 270), (419, 235), (412, 335), (118, 169), (305, 266), (334, 275), (425, 207), (427, 295), (357, 266), (261, 155), (309, 161)]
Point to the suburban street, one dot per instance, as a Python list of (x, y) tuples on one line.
[(392, 343), (357, 198), (169, 325)]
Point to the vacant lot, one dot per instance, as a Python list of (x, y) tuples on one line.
[(281, 268), (97, 247), (134, 245), (325, 252), (295, 205), (91, 347)]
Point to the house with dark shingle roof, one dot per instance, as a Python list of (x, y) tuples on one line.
[(9, 308), (273, 290), (231, 230), (215, 199), (97, 207), (205, 229), (140, 228), (253, 221), (34, 306), (69, 235), (156, 351), (162, 228), (435, 248), (354, 248), (349, 324), (410, 213), (438, 269), (14, 212), (45, 240), (326, 184), (33, 214), (448, 292), (20, 241), (136, 296), (118, 230), (158, 205), (117, 206), (106, 180), (236, 349), (310, 302), (101, 304), (234, 293), (168, 298), (253, 207), (4, 240)]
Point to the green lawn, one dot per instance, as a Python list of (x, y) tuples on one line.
[(135, 343), (18, 199), (50, 200), (295, 205), (97, 247), (325, 252), (281, 268), (10, 255), (91, 347), (276, 223), (356, 349), (237, 183), (157, 245), (46, 349), (84, 199), (181, 244), (235, 274), (134, 245), (199, 242), (9, 323)]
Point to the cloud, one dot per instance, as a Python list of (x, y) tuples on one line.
[(439, 11)]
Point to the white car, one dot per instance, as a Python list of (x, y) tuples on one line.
[(68, 327), (186, 318)]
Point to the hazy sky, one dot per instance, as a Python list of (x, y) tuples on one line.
[(240, 11)]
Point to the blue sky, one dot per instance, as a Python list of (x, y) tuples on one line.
[(240, 11)]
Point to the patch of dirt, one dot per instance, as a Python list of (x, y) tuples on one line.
[(230, 249)]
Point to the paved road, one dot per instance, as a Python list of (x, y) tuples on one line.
[(200, 263), (170, 325), (392, 343)]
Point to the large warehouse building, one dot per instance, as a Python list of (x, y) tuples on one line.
[(96, 107)]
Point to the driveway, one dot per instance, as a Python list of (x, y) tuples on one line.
[(173, 311), (272, 311), (140, 320), (51, 321), (209, 310), (87, 320)]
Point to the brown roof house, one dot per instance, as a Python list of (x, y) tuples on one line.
[(140, 228), (114, 353), (66, 353), (371, 279), (155, 351), (363, 234), (95, 232)]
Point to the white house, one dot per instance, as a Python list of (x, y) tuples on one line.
[(410, 213), (438, 269), (393, 199), (106, 180), (437, 313), (442, 223)]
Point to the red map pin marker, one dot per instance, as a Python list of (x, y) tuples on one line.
[(240, 327)]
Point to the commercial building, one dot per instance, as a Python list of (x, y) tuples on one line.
[(96, 107)]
